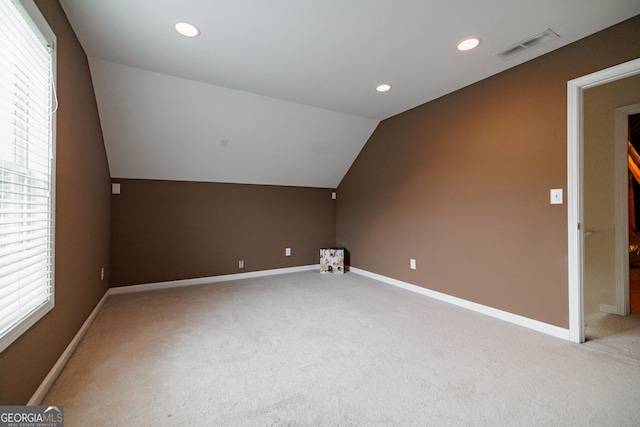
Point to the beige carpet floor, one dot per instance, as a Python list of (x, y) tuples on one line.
[(614, 334), (306, 349)]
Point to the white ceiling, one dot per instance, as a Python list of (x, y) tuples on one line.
[(288, 85)]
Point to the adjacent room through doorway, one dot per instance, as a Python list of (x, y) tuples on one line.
[(634, 219), (612, 217)]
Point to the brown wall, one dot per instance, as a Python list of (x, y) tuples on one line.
[(168, 230), (82, 221), (462, 184)]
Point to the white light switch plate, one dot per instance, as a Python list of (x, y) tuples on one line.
[(287, 252), (412, 263), (556, 196)]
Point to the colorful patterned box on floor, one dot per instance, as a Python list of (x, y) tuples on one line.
[(332, 260)]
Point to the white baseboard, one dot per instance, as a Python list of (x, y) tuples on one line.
[(605, 310), (207, 280), (608, 308), (53, 374), (594, 317), (46, 384), (536, 325)]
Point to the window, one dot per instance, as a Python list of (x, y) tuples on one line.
[(27, 125)]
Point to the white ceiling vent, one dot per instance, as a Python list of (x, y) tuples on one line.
[(526, 44)]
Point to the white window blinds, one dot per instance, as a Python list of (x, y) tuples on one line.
[(26, 170)]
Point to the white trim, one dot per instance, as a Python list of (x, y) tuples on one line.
[(605, 310), (34, 14), (207, 280), (536, 325), (575, 207), (608, 309), (574, 213), (594, 317), (39, 20), (46, 384)]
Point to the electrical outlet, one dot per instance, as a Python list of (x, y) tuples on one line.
[(412, 263), (241, 264), (287, 252), (102, 273)]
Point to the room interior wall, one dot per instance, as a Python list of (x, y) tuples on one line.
[(81, 221), (461, 184), (599, 104), (171, 230)]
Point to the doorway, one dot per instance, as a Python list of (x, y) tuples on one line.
[(633, 129), (608, 267), (575, 186)]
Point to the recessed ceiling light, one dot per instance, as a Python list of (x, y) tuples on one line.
[(468, 44), (186, 29), (383, 88)]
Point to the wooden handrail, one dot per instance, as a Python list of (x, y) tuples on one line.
[(635, 171), (634, 160)]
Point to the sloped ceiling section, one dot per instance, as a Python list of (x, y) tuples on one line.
[(168, 128), (289, 84)]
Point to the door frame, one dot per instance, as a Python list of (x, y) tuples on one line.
[(575, 196)]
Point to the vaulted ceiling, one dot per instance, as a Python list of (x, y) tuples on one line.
[(283, 92)]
